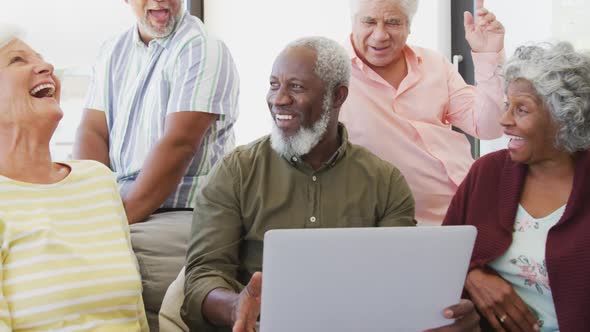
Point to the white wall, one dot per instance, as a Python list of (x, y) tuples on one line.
[(570, 22), (68, 33), (528, 21), (432, 26), (256, 31)]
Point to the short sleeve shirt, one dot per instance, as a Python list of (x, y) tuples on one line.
[(137, 86)]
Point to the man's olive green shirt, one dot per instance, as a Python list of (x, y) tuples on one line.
[(254, 189)]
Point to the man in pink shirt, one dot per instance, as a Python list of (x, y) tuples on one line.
[(403, 100)]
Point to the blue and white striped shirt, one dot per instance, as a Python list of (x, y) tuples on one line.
[(137, 86)]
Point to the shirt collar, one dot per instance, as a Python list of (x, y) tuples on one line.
[(162, 42), (296, 161), (413, 60)]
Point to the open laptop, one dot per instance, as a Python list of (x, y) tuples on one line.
[(362, 279)]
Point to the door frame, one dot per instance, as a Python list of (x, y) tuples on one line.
[(459, 46), (197, 8)]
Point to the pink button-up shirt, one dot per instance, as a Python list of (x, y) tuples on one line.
[(411, 126)]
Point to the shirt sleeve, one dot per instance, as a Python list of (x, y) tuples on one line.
[(5, 319), (205, 79), (213, 252), (400, 206), (477, 110), (96, 94)]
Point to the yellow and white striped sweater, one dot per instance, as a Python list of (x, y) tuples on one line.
[(67, 263)]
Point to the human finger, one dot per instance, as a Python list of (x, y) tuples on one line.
[(481, 12), (486, 19), (468, 21), (493, 319), (239, 326), (254, 287), (478, 4), (480, 304), (524, 316), (495, 26), (463, 308), (511, 317), (491, 311), (509, 322)]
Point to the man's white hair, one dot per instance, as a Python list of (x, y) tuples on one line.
[(8, 33), (332, 63), (408, 7)]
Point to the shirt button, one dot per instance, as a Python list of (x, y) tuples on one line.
[(312, 219), (314, 179)]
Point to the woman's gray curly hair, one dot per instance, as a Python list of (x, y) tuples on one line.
[(561, 77)]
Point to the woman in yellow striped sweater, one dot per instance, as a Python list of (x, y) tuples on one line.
[(67, 264)]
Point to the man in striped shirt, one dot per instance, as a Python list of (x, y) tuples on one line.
[(160, 112)]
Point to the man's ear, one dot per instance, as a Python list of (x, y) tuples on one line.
[(340, 95)]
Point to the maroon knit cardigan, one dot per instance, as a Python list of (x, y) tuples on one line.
[(488, 199)]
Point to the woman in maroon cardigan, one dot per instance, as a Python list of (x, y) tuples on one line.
[(530, 268)]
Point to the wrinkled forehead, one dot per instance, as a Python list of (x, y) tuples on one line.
[(7, 45), (523, 88), (17, 46), (295, 62), (520, 86)]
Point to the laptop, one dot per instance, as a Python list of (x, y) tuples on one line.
[(362, 279)]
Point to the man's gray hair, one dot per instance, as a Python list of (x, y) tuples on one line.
[(408, 8), (332, 63), (561, 77), (8, 33)]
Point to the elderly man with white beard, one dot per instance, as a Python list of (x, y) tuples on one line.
[(306, 174)]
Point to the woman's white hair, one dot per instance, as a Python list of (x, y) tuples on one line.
[(561, 77), (408, 8), (332, 61), (8, 33)]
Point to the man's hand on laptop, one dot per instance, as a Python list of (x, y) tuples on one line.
[(465, 315), (246, 309)]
